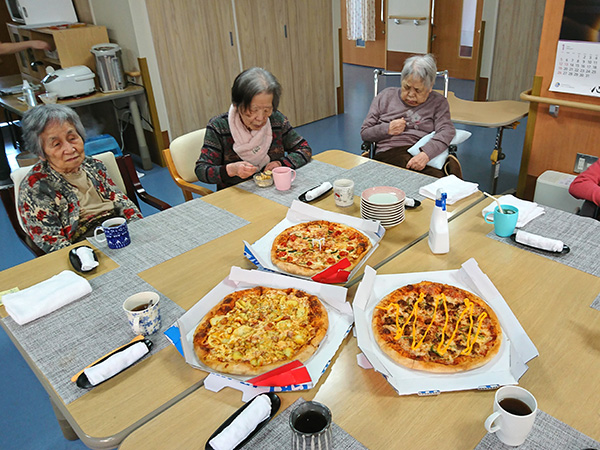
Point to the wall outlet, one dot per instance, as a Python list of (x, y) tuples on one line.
[(582, 162)]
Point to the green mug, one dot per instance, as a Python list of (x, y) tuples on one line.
[(504, 223)]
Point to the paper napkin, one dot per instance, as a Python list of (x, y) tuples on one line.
[(527, 210), (45, 297), (456, 188)]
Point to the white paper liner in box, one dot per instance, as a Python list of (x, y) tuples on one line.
[(259, 253), (333, 297), (506, 368)]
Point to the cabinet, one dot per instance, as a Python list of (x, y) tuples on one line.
[(71, 47), (202, 46)]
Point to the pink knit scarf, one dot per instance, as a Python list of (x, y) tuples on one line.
[(251, 146)]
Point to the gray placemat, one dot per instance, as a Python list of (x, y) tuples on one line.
[(373, 173), (170, 233), (547, 433), (581, 234), (277, 434), (307, 177), (596, 303), (67, 340)]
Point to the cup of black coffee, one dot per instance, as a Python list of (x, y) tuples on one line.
[(311, 427), (514, 413)]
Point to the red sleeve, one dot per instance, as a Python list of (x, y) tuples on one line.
[(587, 184)]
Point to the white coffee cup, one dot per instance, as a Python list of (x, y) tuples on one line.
[(343, 192), (143, 312), (514, 413)]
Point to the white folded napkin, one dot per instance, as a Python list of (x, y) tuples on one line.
[(456, 188), (410, 202), (243, 425), (527, 210), (314, 193), (45, 297), (115, 363), (86, 256), (537, 241)]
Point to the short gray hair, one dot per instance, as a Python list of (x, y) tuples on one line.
[(422, 67), (251, 82), (36, 120)]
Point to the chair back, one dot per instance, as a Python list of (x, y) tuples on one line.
[(379, 72), (17, 176), (185, 151), (112, 168)]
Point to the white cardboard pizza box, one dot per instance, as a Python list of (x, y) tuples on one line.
[(259, 253), (333, 297), (506, 368)]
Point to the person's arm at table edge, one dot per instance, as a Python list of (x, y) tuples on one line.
[(210, 167), (7, 48), (586, 185)]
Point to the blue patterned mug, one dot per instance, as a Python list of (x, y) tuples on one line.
[(116, 234), (143, 312)]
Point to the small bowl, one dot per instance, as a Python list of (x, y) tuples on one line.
[(49, 97), (263, 179)]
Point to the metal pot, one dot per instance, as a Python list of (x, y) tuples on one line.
[(109, 67)]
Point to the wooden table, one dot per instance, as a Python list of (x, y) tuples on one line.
[(105, 416), (550, 300)]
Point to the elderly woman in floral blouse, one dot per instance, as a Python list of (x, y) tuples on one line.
[(252, 135), (65, 195)]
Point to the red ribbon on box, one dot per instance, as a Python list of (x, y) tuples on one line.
[(292, 373), (334, 274)]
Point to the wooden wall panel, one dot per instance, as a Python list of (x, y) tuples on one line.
[(373, 53), (557, 140)]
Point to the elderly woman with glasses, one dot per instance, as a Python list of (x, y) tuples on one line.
[(399, 117), (65, 195), (252, 136)]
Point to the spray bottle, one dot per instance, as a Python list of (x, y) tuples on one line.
[(29, 95), (439, 238)]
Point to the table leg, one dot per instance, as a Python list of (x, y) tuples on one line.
[(139, 132), (65, 427)]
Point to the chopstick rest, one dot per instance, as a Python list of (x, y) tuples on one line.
[(314, 193), (244, 424), (537, 241), (113, 363)]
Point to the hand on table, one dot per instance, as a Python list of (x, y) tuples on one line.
[(240, 169), (39, 45), (397, 126), (272, 165), (418, 162)]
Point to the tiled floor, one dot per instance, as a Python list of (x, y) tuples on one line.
[(27, 420)]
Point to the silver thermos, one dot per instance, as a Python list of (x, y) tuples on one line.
[(109, 67)]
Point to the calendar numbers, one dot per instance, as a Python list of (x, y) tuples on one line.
[(576, 68)]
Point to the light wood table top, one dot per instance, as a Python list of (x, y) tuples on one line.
[(550, 300), (107, 414), (492, 114)]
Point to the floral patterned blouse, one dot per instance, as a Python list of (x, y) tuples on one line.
[(49, 206)]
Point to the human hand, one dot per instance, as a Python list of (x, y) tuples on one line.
[(240, 169), (272, 165), (418, 162), (39, 45), (397, 126)]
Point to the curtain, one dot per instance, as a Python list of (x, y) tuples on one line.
[(360, 18)]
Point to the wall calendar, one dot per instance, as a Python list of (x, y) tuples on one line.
[(577, 68)]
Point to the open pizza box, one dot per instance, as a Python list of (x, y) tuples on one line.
[(506, 368), (340, 323), (259, 253)]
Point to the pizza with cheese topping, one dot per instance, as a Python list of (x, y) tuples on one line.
[(311, 247), (256, 330), (436, 327)]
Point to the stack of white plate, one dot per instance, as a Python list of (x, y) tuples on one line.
[(383, 203)]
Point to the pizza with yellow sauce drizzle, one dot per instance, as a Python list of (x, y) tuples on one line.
[(437, 328), (255, 330)]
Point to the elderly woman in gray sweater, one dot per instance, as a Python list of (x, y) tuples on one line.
[(399, 117)]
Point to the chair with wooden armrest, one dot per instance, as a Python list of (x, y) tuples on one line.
[(590, 209), (181, 157), (120, 169)]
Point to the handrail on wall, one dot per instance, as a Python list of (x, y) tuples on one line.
[(526, 95), (408, 18)]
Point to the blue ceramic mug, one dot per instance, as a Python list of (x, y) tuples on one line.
[(504, 223), (115, 231)]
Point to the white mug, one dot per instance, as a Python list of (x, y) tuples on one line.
[(143, 312), (514, 413), (343, 192)]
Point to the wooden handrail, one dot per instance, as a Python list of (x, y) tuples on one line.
[(526, 95)]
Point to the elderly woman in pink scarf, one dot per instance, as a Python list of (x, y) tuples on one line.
[(252, 136)]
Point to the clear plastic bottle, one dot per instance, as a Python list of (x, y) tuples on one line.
[(439, 237), (29, 95)]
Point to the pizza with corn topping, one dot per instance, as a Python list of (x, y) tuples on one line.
[(311, 247), (436, 327), (259, 329)]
